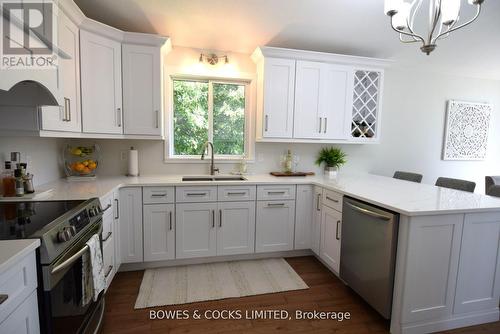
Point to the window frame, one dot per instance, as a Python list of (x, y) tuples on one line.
[(247, 82)]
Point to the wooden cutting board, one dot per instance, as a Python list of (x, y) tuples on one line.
[(281, 174)]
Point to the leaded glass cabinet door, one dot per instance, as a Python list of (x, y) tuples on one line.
[(366, 106)]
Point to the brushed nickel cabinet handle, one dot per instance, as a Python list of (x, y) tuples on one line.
[(158, 195), (107, 208), (117, 209), (119, 116), (337, 231), (318, 208), (236, 193), (220, 217), (196, 194), (170, 220), (275, 192), (110, 268), (320, 126), (266, 123), (331, 199), (213, 218), (157, 118), (3, 298), (69, 110), (326, 123), (275, 205), (107, 237)]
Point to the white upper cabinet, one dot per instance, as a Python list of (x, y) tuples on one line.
[(320, 100), (327, 97), (142, 98), (276, 97), (101, 80), (67, 116)]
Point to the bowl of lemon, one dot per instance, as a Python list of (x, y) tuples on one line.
[(81, 161)]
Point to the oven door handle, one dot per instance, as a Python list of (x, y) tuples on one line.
[(70, 261)]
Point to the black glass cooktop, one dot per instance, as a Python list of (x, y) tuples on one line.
[(20, 220)]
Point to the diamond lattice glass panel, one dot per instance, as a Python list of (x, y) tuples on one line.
[(365, 104)]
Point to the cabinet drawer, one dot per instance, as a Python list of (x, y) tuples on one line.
[(108, 257), (266, 193), (107, 203), (332, 200), (17, 283), (196, 194), (236, 193), (107, 228), (158, 195)]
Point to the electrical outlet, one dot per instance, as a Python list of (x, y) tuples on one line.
[(123, 155), (260, 157)]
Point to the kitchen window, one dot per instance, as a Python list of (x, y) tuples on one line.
[(209, 110)]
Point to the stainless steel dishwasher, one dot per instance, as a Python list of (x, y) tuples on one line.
[(368, 252)]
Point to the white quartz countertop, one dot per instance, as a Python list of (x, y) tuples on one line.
[(407, 198), (11, 251)]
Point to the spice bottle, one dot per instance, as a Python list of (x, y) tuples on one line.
[(18, 174), (8, 181)]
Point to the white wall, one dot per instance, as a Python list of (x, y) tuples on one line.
[(43, 156)]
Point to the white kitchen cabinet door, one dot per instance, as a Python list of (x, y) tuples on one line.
[(101, 82), (321, 100), (331, 226), (24, 319), (142, 105), (195, 230), (432, 265), (159, 232), (130, 209), (335, 94), (316, 223), (236, 228), (67, 116), (116, 223), (303, 216), (478, 284), (278, 95), (308, 117), (274, 226)]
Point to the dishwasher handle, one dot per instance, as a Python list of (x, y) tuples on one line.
[(369, 212)]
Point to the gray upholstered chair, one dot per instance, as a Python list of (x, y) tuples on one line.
[(492, 184), (413, 177), (456, 184)]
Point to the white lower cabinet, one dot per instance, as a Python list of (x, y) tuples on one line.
[(275, 226), (236, 228), (159, 232), (24, 320), (303, 217), (130, 213), (331, 221), (195, 230), (316, 220), (478, 284)]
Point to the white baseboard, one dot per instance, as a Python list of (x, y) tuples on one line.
[(182, 262), (456, 321)]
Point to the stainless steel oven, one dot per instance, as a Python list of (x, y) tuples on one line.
[(62, 292)]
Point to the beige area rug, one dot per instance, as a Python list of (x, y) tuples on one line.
[(212, 281)]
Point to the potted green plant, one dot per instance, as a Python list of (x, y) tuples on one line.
[(333, 157)]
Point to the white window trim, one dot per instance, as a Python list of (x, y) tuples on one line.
[(250, 98)]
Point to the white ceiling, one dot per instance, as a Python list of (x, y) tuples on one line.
[(357, 27)]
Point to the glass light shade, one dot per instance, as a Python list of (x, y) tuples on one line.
[(400, 20), (391, 6), (449, 11)]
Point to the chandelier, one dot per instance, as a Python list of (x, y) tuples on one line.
[(444, 17)]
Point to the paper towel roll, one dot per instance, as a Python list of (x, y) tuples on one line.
[(133, 162)]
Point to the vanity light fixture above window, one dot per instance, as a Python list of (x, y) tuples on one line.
[(212, 58)]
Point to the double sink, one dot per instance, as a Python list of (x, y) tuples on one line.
[(214, 178)]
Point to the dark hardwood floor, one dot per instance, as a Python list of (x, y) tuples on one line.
[(326, 293)]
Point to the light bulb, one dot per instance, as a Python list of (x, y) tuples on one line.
[(391, 7), (400, 20), (449, 11)]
